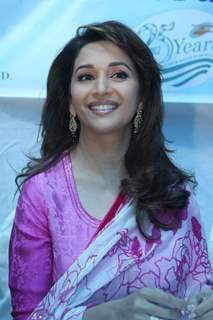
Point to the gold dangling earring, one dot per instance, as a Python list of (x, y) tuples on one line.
[(137, 120), (73, 124)]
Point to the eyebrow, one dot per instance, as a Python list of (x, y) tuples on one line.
[(112, 64)]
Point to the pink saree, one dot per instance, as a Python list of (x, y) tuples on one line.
[(119, 261)]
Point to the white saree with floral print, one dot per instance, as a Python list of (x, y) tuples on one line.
[(119, 261)]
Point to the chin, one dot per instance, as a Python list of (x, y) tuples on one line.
[(109, 130)]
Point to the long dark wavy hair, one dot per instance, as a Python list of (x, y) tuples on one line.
[(154, 182)]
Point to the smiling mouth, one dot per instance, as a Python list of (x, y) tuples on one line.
[(103, 108)]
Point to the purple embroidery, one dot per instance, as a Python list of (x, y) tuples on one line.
[(130, 266), (170, 271), (196, 228), (136, 247)]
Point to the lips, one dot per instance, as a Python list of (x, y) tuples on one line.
[(103, 106)]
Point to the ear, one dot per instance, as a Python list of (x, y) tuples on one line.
[(140, 105), (72, 110)]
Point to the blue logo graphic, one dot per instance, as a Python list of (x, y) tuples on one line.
[(183, 47), (201, 29), (183, 73), (155, 37)]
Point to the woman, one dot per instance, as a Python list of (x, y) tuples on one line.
[(106, 226)]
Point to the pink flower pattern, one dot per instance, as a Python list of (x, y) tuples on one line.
[(136, 264)]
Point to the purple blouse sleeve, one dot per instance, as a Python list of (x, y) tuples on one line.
[(30, 252)]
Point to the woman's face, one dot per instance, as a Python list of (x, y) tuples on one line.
[(104, 88)]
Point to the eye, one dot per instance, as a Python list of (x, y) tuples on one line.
[(85, 77), (120, 75)]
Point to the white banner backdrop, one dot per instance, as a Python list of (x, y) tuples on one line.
[(179, 32)]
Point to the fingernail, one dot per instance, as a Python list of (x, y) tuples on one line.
[(183, 312), (191, 308), (192, 315)]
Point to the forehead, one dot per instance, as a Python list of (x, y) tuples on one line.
[(101, 52)]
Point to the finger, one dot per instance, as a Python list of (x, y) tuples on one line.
[(146, 307), (207, 316), (205, 306), (163, 298), (195, 299)]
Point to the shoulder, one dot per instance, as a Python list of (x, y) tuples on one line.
[(193, 222), (36, 193), (41, 182), (192, 205)]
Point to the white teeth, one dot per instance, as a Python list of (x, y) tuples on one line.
[(103, 108)]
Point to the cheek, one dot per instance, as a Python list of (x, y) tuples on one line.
[(132, 96), (79, 92), (76, 94)]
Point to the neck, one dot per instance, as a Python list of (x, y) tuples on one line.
[(104, 155)]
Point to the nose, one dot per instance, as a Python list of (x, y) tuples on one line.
[(102, 85)]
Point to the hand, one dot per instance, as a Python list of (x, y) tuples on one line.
[(148, 302), (143, 304), (200, 306)]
